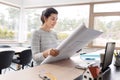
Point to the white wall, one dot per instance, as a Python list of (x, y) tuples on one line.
[(39, 3), (17, 3)]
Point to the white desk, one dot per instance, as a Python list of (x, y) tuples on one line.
[(62, 70)]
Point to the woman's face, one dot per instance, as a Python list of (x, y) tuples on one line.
[(51, 20)]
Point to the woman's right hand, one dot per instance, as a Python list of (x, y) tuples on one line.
[(52, 52)]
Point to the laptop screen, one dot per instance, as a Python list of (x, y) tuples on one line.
[(107, 60)]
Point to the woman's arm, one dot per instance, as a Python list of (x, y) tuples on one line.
[(35, 45)]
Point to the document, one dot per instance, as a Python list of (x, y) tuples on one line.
[(80, 37)]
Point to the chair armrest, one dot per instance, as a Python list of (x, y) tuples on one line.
[(17, 53)]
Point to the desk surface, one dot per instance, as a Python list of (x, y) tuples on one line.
[(62, 70)]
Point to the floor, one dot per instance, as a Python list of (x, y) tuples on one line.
[(14, 66)]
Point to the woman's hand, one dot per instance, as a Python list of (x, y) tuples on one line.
[(52, 52)]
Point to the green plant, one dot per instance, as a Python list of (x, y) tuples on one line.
[(62, 36), (6, 34)]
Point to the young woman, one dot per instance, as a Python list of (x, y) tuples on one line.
[(44, 40)]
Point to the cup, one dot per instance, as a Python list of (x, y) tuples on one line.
[(117, 61)]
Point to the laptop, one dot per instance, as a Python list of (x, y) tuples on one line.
[(107, 60)]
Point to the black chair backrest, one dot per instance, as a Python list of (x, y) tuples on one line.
[(6, 59), (5, 46), (25, 57)]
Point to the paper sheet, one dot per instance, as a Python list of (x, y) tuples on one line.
[(80, 37)]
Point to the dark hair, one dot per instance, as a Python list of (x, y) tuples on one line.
[(47, 12)]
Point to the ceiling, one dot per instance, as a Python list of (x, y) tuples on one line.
[(40, 3)]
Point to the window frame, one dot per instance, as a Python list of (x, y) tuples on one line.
[(18, 7), (97, 14)]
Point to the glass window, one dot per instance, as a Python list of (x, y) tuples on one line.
[(69, 18), (109, 7), (9, 18), (110, 26), (33, 20)]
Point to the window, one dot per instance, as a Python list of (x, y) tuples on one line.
[(107, 19), (85, 76), (33, 21), (110, 26), (90, 78), (107, 7), (69, 17), (88, 72), (9, 18)]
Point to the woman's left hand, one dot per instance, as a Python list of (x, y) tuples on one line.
[(53, 52)]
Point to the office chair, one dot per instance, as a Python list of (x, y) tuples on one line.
[(5, 46), (6, 59), (25, 57)]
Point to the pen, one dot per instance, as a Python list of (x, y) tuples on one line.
[(44, 77), (115, 54), (82, 53), (41, 77), (89, 58), (78, 50)]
